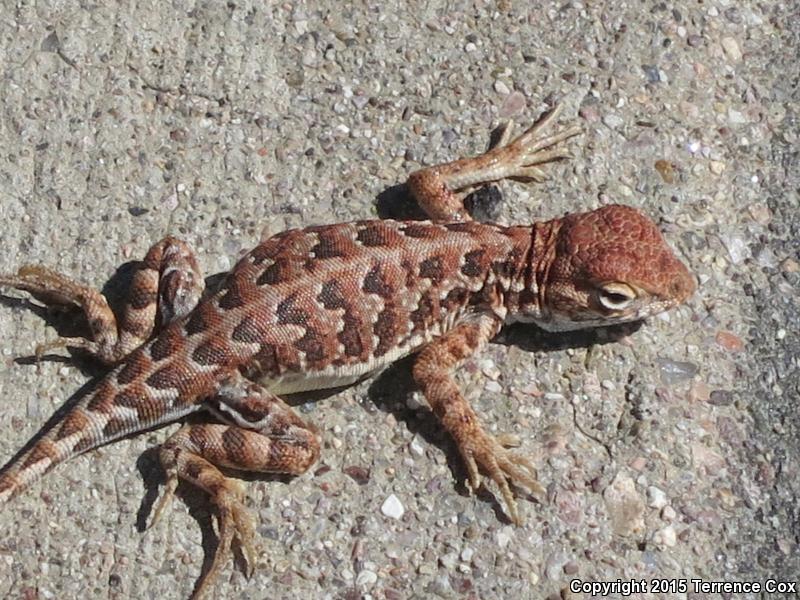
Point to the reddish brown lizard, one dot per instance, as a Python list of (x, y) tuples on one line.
[(325, 306)]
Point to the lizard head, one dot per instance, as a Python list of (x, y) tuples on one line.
[(609, 266)]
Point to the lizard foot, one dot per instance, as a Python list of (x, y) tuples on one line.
[(483, 452), (519, 158)]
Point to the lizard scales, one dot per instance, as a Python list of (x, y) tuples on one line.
[(323, 306)]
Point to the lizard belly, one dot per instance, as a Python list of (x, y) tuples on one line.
[(337, 375)]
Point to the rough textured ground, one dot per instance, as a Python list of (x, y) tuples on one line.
[(670, 454)]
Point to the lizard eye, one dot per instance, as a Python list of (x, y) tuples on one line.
[(616, 296)]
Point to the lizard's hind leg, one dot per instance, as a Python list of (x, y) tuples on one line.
[(264, 435), (167, 284)]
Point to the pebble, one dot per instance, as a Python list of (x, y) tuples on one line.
[(737, 248), (613, 121), (656, 498), (736, 117), (731, 342), (513, 105), (676, 371), (760, 213), (493, 386), (503, 536), (449, 560), (625, 506), (666, 537), (721, 398), (717, 167), (501, 88), (731, 48), (366, 578), (392, 507), (699, 392), (416, 447)]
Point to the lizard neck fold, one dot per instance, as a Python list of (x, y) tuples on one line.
[(525, 300)]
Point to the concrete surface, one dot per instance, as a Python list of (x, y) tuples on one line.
[(670, 454)]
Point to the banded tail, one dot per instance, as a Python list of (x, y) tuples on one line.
[(110, 411)]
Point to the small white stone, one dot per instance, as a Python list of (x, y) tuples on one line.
[(366, 578), (736, 117), (449, 560), (493, 386), (613, 121), (416, 447), (731, 49), (780, 334), (467, 554), (503, 536), (656, 498), (716, 167), (666, 537), (668, 513), (392, 507), (501, 88)]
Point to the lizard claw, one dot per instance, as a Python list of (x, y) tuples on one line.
[(521, 155), (489, 454), (233, 520)]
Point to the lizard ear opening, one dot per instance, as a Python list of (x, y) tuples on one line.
[(616, 296)]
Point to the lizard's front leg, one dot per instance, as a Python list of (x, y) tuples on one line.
[(440, 190), (264, 435), (480, 451), (167, 284)]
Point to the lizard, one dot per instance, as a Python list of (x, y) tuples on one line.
[(325, 306)]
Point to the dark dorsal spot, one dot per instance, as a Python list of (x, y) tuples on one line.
[(263, 252), (168, 377), (168, 343), (212, 352), (289, 314), (431, 268), (232, 298), (248, 331), (129, 398), (134, 367), (142, 299), (235, 444), (373, 234), (273, 274), (385, 328), (312, 345), (102, 399), (197, 322), (43, 450), (115, 427), (350, 336), (419, 230), (474, 263), (328, 245), (374, 283), (74, 422), (331, 295)]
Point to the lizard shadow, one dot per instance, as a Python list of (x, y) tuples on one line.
[(391, 389)]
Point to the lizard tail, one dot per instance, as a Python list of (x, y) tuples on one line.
[(70, 431), (108, 412)]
